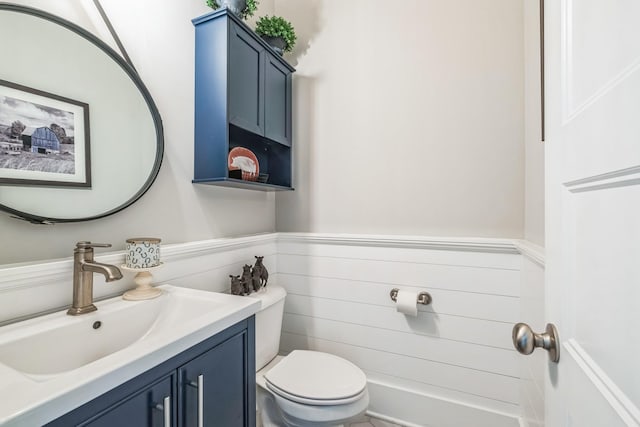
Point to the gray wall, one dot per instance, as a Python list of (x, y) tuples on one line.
[(159, 37), (416, 129), (408, 118), (534, 149)]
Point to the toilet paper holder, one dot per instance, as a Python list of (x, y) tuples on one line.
[(424, 298)]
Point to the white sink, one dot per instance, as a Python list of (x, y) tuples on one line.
[(54, 363), (57, 343)]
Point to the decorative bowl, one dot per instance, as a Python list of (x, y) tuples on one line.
[(243, 159)]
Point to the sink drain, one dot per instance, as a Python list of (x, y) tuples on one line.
[(97, 324)]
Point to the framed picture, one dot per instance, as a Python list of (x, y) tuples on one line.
[(44, 138)]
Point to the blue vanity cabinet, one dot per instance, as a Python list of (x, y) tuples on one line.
[(243, 98), (214, 379)]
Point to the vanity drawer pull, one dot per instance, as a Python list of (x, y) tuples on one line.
[(165, 407), (200, 387)]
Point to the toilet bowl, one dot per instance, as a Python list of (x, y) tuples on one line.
[(305, 388)]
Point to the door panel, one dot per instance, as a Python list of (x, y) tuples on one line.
[(603, 43), (604, 275), (597, 69), (246, 81)]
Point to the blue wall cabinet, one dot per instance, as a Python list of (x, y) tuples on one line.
[(243, 93), (213, 381)]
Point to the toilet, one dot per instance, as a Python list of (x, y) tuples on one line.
[(304, 388)]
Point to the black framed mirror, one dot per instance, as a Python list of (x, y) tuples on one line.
[(71, 110)]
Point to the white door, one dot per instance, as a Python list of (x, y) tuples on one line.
[(593, 211)]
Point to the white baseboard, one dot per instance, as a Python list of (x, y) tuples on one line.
[(414, 409), (392, 420)]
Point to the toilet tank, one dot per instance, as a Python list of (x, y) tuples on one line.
[(268, 323)]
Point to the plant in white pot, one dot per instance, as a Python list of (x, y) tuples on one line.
[(242, 8), (277, 32)]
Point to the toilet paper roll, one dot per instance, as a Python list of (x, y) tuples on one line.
[(407, 303)]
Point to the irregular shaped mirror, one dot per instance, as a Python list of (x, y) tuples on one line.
[(80, 135)]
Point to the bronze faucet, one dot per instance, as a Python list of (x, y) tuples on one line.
[(83, 268)]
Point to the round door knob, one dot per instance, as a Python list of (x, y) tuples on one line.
[(525, 340)]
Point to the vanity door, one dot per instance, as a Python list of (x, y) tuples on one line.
[(215, 388), (153, 406)]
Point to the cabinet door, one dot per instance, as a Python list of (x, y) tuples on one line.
[(246, 80), (215, 386), (277, 101), (145, 408)]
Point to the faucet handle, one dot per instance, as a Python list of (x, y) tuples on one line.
[(87, 245)]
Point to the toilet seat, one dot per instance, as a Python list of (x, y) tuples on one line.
[(316, 402), (316, 378)]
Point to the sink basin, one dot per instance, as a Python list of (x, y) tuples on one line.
[(50, 345)]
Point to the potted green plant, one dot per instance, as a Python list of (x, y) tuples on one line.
[(277, 32), (242, 8)]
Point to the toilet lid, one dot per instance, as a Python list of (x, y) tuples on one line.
[(312, 377)]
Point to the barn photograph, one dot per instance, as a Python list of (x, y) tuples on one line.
[(38, 138)]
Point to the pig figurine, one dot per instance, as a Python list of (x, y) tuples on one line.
[(246, 279), (236, 285)]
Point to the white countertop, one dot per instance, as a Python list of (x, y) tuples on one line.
[(30, 400)]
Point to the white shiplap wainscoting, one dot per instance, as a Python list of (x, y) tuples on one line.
[(29, 289), (453, 364)]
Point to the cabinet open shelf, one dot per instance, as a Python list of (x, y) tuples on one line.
[(239, 183)]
